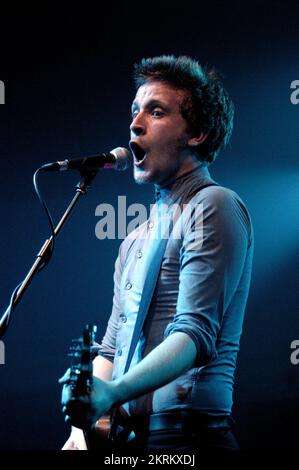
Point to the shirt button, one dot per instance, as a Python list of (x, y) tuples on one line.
[(150, 224), (139, 254), (119, 352), (123, 318), (128, 285)]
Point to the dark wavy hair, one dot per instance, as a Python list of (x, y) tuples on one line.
[(207, 107)]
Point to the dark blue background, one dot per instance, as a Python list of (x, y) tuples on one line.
[(68, 82)]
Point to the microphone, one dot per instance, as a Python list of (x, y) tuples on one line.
[(118, 159)]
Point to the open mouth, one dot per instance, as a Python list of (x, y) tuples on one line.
[(138, 152)]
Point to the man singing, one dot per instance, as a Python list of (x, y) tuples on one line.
[(178, 390)]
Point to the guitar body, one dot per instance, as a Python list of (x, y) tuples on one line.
[(98, 436)]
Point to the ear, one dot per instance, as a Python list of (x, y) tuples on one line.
[(194, 141)]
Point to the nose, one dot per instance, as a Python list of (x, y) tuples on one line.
[(137, 126)]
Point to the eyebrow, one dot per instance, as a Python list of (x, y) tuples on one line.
[(150, 104)]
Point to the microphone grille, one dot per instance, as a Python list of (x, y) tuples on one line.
[(123, 158)]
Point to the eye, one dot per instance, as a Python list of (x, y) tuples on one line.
[(157, 112), (134, 114)]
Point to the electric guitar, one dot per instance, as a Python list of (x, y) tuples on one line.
[(81, 378)]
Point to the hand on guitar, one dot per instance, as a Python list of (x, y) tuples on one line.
[(82, 411), (79, 391)]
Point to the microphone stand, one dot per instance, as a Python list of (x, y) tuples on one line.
[(81, 189)]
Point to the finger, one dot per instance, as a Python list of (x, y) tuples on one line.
[(65, 378), (76, 414), (66, 395)]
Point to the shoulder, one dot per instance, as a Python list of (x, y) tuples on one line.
[(218, 196), (224, 202)]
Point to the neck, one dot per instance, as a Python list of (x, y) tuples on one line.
[(180, 184), (193, 166)]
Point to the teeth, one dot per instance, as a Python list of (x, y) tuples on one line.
[(137, 150)]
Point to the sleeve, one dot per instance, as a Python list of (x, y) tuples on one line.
[(107, 346), (210, 270)]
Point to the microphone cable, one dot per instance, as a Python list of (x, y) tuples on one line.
[(46, 258), (49, 218)]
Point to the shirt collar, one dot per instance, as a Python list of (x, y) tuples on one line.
[(183, 185)]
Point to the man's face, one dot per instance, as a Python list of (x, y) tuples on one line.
[(159, 135)]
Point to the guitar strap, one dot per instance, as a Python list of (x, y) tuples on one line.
[(148, 292)]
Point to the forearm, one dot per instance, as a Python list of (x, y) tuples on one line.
[(175, 355)]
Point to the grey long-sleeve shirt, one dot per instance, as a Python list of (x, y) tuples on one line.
[(202, 290)]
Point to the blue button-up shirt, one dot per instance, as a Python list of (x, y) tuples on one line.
[(202, 290)]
